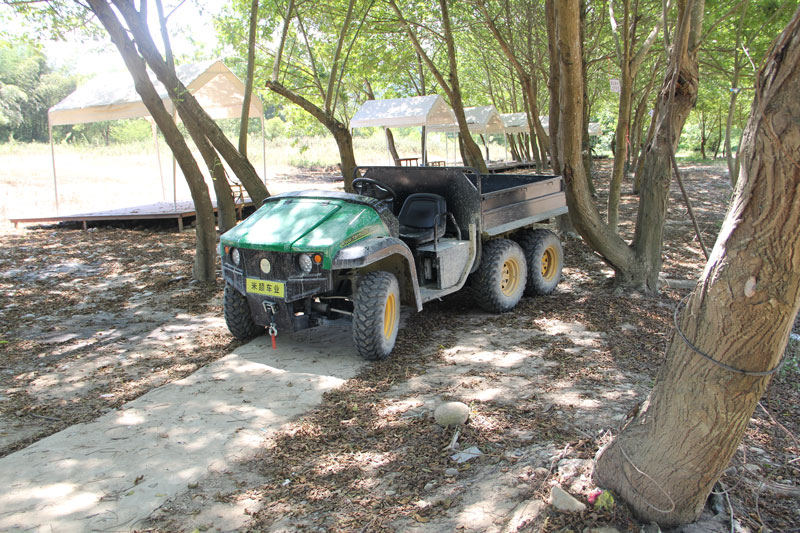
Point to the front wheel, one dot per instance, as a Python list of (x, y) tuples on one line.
[(237, 314), (499, 282), (545, 259), (376, 315)]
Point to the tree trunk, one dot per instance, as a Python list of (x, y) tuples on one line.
[(585, 216), (204, 268), (344, 142), (677, 98), (621, 147), (391, 146), (665, 462), (248, 84)]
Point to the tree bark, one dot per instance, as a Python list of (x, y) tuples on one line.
[(204, 268), (676, 100), (629, 63), (392, 147), (248, 83), (450, 86), (665, 462)]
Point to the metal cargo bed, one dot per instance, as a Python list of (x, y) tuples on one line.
[(495, 203)]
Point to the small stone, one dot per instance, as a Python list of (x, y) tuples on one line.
[(451, 472), (451, 414), (750, 287), (604, 529), (541, 471), (564, 501), (430, 485)]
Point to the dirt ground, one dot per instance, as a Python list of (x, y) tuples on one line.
[(90, 320)]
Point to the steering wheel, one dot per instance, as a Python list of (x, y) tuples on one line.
[(374, 189)]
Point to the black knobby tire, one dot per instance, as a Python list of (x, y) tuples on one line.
[(499, 282), (376, 315), (237, 314), (545, 259)]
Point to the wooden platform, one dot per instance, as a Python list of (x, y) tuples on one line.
[(160, 211), (505, 166)]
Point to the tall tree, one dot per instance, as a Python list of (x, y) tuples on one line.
[(315, 71), (730, 336), (226, 208), (205, 257), (639, 264), (248, 82), (629, 59), (449, 84)]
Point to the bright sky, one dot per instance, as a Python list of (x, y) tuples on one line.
[(89, 58)]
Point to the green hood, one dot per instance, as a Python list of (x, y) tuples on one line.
[(308, 221)]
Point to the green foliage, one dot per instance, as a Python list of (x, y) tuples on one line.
[(28, 88)]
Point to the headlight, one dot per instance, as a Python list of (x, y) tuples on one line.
[(305, 262), (236, 256)]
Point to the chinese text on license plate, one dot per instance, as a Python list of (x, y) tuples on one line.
[(269, 288)]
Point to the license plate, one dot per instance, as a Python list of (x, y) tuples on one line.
[(267, 288)]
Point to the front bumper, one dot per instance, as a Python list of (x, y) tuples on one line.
[(293, 307)]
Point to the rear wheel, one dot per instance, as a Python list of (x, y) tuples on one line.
[(376, 315), (499, 282), (237, 314), (545, 259)]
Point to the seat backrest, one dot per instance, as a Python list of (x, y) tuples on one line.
[(420, 210)]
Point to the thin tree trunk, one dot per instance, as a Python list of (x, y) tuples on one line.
[(450, 85), (667, 459), (248, 84), (392, 147), (226, 207), (677, 98), (204, 268)]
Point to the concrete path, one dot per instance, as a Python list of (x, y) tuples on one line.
[(110, 474)]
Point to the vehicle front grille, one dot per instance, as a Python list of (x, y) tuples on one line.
[(283, 265)]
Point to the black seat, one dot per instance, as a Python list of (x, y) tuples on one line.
[(420, 212)]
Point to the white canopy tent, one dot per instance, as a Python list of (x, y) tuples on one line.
[(415, 111), (114, 97), (481, 119), (518, 123)]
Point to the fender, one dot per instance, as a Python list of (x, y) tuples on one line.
[(388, 254)]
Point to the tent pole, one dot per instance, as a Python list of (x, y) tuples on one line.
[(53, 159), (264, 147), (158, 156)]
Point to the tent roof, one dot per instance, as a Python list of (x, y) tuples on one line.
[(481, 119), (515, 122), (114, 97), (403, 112), (518, 123)]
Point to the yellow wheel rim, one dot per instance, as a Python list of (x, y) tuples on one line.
[(389, 315), (549, 263), (509, 280)]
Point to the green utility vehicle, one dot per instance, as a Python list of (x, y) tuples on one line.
[(410, 235)]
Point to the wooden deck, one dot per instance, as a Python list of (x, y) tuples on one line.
[(505, 166), (160, 211)]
